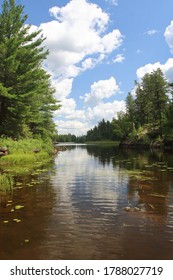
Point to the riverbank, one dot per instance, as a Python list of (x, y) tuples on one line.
[(162, 144), (22, 157), (104, 142)]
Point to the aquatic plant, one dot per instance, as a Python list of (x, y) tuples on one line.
[(19, 158), (26, 145), (6, 182), (25, 154)]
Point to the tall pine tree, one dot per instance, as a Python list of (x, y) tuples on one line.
[(155, 89), (26, 95)]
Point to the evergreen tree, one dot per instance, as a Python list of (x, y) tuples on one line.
[(169, 123), (141, 106), (26, 95), (130, 108), (155, 99)]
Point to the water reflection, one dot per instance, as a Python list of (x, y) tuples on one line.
[(100, 203)]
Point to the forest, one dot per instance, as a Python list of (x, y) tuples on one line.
[(148, 116)]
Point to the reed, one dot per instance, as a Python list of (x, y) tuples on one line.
[(6, 182)]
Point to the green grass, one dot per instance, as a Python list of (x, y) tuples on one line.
[(18, 158), (26, 145), (6, 182), (21, 158)]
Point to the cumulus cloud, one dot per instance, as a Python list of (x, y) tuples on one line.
[(78, 122), (72, 37), (101, 90), (167, 69), (75, 121), (69, 111), (119, 58), (72, 120), (67, 108), (78, 41), (169, 36), (74, 127), (63, 87), (90, 62), (110, 110)]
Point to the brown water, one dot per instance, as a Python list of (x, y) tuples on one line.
[(78, 210)]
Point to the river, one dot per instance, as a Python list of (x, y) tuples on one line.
[(94, 202)]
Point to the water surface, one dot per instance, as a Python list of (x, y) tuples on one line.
[(96, 202)]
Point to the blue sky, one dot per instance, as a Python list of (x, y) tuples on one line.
[(97, 50)]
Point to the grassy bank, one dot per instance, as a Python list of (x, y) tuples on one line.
[(104, 142), (22, 157)]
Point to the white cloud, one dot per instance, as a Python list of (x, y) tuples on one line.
[(151, 32), (63, 87), (169, 36), (101, 90), (119, 58), (78, 122), (69, 111), (105, 110), (167, 69), (67, 108), (148, 68), (89, 63), (71, 120), (113, 2), (73, 37), (74, 127), (78, 39), (111, 41)]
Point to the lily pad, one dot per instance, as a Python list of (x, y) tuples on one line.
[(16, 220), (18, 207), (26, 240), (18, 183), (29, 185)]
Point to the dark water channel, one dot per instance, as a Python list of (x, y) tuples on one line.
[(96, 202)]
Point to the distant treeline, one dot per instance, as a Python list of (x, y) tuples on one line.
[(148, 116)]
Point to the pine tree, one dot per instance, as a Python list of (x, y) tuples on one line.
[(26, 94), (155, 88)]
